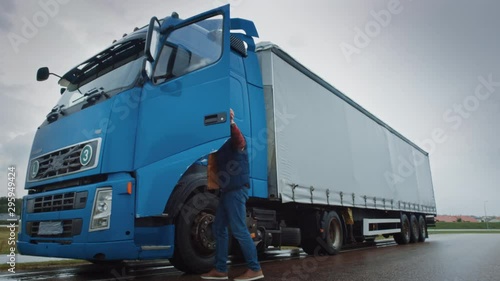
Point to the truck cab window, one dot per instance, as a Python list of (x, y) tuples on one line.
[(110, 72), (190, 48)]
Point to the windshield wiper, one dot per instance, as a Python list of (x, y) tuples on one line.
[(95, 94), (54, 113)]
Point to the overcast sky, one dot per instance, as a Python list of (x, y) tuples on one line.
[(430, 69)]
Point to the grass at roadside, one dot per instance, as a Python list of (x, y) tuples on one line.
[(464, 232), (467, 225)]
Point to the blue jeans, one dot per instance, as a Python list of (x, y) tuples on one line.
[(232, 212)]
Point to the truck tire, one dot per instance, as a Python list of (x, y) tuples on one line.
[(334, 232), (194, 242), (414, 230), (176, 261), (403, 237), (329, 238), (422, 227)]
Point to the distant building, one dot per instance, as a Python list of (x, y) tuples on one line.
[(445, 218)]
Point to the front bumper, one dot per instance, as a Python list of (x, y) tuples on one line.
[(117, 250), (117, 242)]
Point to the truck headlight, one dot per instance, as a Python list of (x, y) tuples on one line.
[(101, 212)]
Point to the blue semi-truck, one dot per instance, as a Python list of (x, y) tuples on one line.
[(118, 170)]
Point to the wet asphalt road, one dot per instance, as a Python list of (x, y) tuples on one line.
[(443, 257)]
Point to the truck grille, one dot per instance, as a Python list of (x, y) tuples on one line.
[(65, 161), (70, 228), (57, 202)]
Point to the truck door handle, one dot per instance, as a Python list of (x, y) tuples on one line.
[(215, 118)]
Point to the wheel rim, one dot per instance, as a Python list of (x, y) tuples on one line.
[(203, 237), (334, 233)]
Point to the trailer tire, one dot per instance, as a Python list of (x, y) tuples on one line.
[(329, 238), (403, 237), (414, 229), (333, 232), (194, 242), (422, 227)]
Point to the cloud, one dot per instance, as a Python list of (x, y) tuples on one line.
[(18, 111), (15, 153), (7, 10), (17, 131)]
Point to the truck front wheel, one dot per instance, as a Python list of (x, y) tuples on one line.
[(194, 242)]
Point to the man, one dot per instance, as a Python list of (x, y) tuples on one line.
[(232, 177)]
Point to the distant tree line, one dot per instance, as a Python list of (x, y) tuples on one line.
[(4, 205)]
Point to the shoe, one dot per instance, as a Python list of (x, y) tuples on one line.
[(250, 275), (214, 275)]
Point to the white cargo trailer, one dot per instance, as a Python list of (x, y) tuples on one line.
[(326, 150)]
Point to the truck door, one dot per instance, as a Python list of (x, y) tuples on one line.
[(185, 105)]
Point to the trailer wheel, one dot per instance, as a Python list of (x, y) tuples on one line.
[(194, 241), (415, 229), (329, 239), (403, 237), (422, 227), (333, 232)]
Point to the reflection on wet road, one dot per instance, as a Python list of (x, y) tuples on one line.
[(444, 257)]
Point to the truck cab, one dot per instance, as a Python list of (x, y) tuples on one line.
[(117, 163)]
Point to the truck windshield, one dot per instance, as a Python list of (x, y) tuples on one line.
[(190, 48), (111, 72)]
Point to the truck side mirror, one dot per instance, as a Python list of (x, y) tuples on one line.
[(151, 48), (42, 74)]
